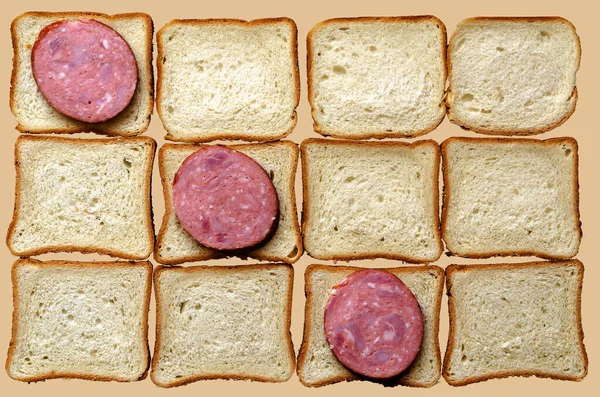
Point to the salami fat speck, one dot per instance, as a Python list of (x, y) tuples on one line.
[(373, 324), (224, 199), (84, 69)]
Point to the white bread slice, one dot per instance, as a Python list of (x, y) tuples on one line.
[(512, 76), (511, 197), (371, 200), (228, 79), (223, 322), (317, 366), (86, 195), (35, 115), (280, 160), (375, 77), (86, 320), (515, 320)]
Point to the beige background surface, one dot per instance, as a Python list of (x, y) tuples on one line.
[(582, 125)]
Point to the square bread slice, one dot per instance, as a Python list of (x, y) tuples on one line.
[(223, 322), (317, 365), (86, 195), (35, 115), (228, 79), (375, 77), (86, 320), (515, 320), (280, 160), (511, 197), (371, 200), (512, 76)]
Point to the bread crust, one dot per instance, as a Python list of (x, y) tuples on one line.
[(447, 186), (371, 255), (219, 269), (452, 269), (381, 134), (74, 248), (225, 21), (507, 132), (104, 128), (213, 254), (78, 265), (308, 288)]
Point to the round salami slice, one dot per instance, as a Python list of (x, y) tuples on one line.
[(84, 69), (373, 324), (224, 199)]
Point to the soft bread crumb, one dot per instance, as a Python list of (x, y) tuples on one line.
[(512, 76), (377, 77), (519, 319), (223, 322)]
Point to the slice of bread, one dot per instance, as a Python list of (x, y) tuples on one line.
[(86, 195), (280, 160), (512, 76), (515, 320), (228, 79), (377, 77), (511, 197), (223, 322), (371, 200), (86, 320), (317, 366), (35, 115)]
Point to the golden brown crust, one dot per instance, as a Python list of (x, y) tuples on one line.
[(78, 265), (452, 269), (447, 186), (213, 254), (107, 127), (308, 292), (240, 22), (218, 269), (507, 132), (369, 135), (74, 248), (372, 255)]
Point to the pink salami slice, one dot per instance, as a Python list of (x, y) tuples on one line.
[(373, 324), (84, 69), (224, 199)]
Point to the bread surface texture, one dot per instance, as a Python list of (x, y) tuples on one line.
[(86, 195), (280, 160), (512, 76), (86, 320), (375, 77), (515, 320), (228, 79), (511, 197), (317, 365), (223, 322), (369, 199), (35, 115)]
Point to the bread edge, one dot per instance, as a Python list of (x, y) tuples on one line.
[(372, 255), (447, 186), (215, 254), (450, 270), (74, 248), (229, 136), (64, 263), (508, 132), (223, 269), (308, 323), (87, 127), (382, 134)]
